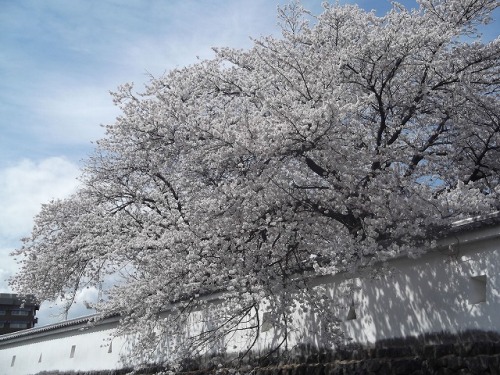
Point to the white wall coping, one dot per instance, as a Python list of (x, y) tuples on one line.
[(77, 324)]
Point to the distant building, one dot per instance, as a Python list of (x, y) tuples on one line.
[(17, 313)]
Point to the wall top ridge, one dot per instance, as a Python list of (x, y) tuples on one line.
[(80, 323)]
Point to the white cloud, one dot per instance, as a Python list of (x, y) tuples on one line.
[(26, 185), (7, 269), (53, 312), (23, 188)]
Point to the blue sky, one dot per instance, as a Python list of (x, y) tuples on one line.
[(58, 61)]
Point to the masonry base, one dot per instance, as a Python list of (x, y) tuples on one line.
[(471, 352)]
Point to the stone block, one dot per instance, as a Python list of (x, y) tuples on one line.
[(428, 351), (494, 364), (403, 366), (453, 362), (444, 350), (372, 365), (476, 365)]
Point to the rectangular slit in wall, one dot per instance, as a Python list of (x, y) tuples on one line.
[(13, 361), (478, 289), (72, 354), (110, 349), (40, 358)]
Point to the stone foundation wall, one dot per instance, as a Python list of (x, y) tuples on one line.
[(463, 358), (459, 358)]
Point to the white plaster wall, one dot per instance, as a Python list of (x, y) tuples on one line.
[(91, 352), (431, 294)]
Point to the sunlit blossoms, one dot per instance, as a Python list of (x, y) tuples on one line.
[(351, 139)]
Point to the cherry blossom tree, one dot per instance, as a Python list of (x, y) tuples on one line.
[(349, 140)]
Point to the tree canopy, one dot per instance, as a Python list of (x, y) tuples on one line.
[(350, 139)]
